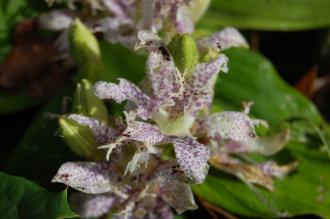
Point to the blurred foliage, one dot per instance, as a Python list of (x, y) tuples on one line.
[(19, 196), (283, 15), (11, 12)]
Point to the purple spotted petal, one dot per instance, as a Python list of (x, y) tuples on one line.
[(115, 30), (235, 126), (102, 133), (224, 39), (148, 40), (271, 168), (88, 177), (160, 211), (234, 132), (176, 15), (55, 20), (164, 78), (145, 133), (180, 18), (200, 85), (192, 158), (117, 7), (125, 90), (91, 206), (178, 195)]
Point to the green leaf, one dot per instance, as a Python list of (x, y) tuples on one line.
[(305, 191), (119, 61), (14, 102), (251, 77), (268, 14), (41, 151), (21, 198)]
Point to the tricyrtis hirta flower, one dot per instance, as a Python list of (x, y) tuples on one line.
[(177, 100), (120, 20), (146, 193), (168, 135)]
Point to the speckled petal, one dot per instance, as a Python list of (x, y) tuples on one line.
[(145, 133), (234, 132), (88, 177), (91, 206), (55, 20), (247, 173), (271, 168), (269, 145), (224, 39), (148, 40), (200, 85), (192, 157), (125, 90), (101, 131), (165, 80), (183, 22), (178, 195), (115, 7), (234, 126)]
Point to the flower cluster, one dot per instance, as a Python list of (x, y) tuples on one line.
[(120, 20), (168, 136)]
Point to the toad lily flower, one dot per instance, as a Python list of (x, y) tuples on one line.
[(120, 20), (107, 190), (173, 98), (232, 134), (148, 140), (169, 97)]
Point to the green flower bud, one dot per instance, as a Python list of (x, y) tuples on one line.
[(85, 51), (197, 8), (79, 138), (184, 51), (86, 103), (209, 55)]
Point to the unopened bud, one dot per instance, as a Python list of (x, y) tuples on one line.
[(86, 103), (184, 51), (85, 51), (79, 138)]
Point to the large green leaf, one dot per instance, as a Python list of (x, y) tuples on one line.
[(305, 191), (21, 198), (121, 62), (252, 77), (268, 14), (41, 146), (15, 101)]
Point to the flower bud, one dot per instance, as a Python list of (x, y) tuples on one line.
[(79, 138), (209, 55), (86, 103), (184, 51), (85, 51)]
